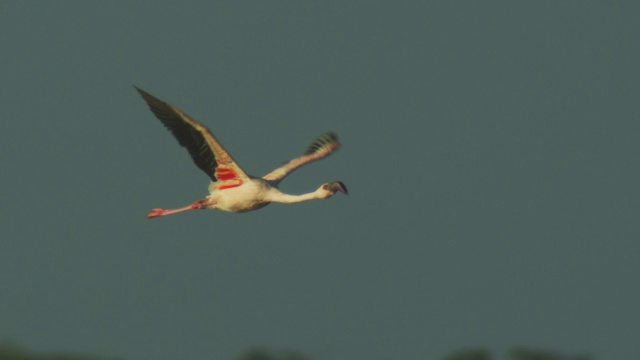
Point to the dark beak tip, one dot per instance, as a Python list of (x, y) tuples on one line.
[(342, 187)]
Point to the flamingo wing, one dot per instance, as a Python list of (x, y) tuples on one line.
[(205, 150), (321, 147)]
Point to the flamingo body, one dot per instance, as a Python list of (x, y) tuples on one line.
[(252, 195), (231, 189)]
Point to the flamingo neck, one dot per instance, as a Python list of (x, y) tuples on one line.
[(280, 197)]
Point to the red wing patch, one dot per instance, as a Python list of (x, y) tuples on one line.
[(230, 185), (228, 177), (224, 174)]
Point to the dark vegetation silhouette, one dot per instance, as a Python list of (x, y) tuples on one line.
[(469, 354), (518, 353), (12, 351), (531, 354), (265, 354)]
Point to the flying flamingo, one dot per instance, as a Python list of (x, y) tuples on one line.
[(231, 188)]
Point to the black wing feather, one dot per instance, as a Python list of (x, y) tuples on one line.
[(323, 140), (187, 135)]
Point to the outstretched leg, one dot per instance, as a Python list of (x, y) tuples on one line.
[(198, 205)]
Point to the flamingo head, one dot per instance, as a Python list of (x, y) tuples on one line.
[(330, 189)]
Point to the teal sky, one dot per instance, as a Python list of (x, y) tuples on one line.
[(490, 150)]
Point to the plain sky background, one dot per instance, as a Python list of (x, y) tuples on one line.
[(490, 150)]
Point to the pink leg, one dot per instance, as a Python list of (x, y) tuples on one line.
[(162, 212)]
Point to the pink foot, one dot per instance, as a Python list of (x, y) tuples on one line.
[(156, 212), (198, 205)]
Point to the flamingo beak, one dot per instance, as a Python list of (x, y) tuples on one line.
[(338, 186)]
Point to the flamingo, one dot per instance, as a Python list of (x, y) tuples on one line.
[(231, 189)]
